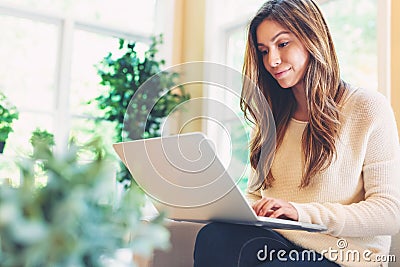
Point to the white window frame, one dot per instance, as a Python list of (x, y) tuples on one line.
[(66, 25)]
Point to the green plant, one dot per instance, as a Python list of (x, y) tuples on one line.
[(68, 222), (8, 113), (40, 136), (124, 76)]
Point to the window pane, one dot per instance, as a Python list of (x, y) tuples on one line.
[(236, 48), (9, 171), (234, 59), (88, 50), (18, 141), (28, 51), (234, 11), (354, 32), (127, 15)]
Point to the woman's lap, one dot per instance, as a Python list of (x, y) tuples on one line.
[(224, 244)]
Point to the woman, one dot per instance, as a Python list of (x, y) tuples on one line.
[(336, 159)]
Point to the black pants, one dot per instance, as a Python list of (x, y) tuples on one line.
[(232, 245)]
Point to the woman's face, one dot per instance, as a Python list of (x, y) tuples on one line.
[(284, 56)]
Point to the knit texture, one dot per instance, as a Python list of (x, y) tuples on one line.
[(358, 196)]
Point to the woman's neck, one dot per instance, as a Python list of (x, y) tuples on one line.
[(301, 112)]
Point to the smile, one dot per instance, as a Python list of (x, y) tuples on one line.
[(280, 74)]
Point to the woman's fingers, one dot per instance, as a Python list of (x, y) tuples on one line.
[(275, 208), (262, 207), (259, 204), (269, 206)]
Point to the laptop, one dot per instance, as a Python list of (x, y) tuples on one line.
[(186, 180)]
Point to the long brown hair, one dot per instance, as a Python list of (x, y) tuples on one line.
[(324, 89)]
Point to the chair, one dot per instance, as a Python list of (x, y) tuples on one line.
[(183, 236), (180, 254)]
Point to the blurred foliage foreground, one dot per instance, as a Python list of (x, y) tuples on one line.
[(65, 223)]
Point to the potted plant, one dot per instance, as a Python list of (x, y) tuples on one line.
[(41, 137), (8, 113), (124, 76), (66, 222)]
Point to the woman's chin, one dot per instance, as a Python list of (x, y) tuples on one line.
[(286, 86)]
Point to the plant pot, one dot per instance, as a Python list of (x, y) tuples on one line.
[(2, 144), (38, 152)]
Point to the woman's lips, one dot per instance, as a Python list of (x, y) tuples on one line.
[(280, 74)]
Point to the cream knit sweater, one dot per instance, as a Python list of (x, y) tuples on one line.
[(358, 196)]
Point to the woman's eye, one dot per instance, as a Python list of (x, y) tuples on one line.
[(264, 52), (283, 44)]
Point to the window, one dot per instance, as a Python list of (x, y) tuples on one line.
[(128, 15), (28, 75), (89, 48), (49, 50), (354, 32)]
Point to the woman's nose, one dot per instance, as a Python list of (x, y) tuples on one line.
[(274, 59)]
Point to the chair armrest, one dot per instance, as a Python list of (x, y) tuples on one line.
[(180, 254)]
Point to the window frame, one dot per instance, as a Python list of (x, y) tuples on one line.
[(66, 25)]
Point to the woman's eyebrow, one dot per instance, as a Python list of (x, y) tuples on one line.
[(275, 37)]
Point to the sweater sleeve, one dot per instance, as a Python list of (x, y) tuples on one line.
[(379, 212)]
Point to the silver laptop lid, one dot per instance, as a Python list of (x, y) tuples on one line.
[(184, 178), (178, 171)]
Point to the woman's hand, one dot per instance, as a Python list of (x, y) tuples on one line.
[(275, 208)]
